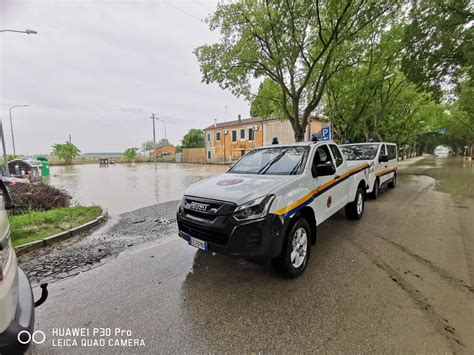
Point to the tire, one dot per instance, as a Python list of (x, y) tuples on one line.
[(355, 209), (393, 183), (289, 263), (376, 189)]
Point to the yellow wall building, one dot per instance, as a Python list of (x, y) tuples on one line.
[(228, 141)]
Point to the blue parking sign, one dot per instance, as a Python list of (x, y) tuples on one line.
[(326, 133)]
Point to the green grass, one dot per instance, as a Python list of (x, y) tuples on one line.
[(33, 226)]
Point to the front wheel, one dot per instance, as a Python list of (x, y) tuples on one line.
[(355, 209), (296, 250)]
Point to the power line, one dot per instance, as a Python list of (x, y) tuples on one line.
[(183, 11)]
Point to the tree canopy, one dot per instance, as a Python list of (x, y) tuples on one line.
[(193, 139), (385, 70), (299, 45), (66, 152), (130, 154)]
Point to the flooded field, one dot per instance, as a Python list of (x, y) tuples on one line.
[(126, 187)]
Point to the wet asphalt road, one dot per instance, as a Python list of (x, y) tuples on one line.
[(399, 280)]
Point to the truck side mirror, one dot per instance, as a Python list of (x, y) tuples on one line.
[(323, 169), (384, 158)]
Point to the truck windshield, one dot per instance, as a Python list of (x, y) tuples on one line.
[(359, 151), (272, 161)]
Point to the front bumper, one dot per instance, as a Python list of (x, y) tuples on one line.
[(24, 319), (257, 240)]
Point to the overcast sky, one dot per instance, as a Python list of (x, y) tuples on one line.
[(98, 69)]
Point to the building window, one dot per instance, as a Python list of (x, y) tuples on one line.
[(208, 137), (218, 136), (234, 136), (209, 155), (242, 134), (251, 134)]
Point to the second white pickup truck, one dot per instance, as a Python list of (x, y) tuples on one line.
[(268, 205)]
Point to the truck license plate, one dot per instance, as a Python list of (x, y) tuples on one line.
[(198, 243)]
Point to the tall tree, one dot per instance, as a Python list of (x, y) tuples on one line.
[(66, 152), (298, 44), (193, 139), (267, 101), (439, 43), (130, 154)]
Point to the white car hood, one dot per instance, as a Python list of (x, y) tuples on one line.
[(237, 188)]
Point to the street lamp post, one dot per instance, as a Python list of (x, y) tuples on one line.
[(2, 137), (11, 125), (164, 123), (27, 31)]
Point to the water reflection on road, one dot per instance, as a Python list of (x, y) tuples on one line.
[(453, 175), (125, 187)]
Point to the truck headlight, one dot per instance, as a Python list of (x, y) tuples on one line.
[(254, 209)]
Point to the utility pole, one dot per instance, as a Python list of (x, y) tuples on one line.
[(70, 139), (154, 134)]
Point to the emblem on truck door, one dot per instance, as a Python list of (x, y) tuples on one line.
[(202, 207)]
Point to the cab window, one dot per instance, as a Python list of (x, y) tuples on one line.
[(337, 154), (322, 155), (392, 152)]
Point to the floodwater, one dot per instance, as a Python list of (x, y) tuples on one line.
[(453, 175), (125, 187)]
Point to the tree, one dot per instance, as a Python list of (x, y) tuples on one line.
[(267, 101), (66, 152), (439, 41), (148, 145), (193, 139), (163, 142), (130, 154), (298, 44)]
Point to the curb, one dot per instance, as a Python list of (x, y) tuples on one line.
[(25, 248)]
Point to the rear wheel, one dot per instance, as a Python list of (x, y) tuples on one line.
[(355, 209), (393, 183), (296, 250), (375, 191)]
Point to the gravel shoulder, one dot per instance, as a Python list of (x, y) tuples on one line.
[(89, 250)]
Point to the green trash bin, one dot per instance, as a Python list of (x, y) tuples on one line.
[(44, 166)]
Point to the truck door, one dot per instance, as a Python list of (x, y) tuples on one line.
[(323, 201), (383, 166), (340, 191)]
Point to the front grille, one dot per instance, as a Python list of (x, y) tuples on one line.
[(216, 238), (214, 208)]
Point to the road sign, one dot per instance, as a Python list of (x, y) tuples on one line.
[(442, 131), (326, 133)]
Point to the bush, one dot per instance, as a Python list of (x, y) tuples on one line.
[(37, 197)]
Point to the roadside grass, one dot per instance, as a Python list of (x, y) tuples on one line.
[(28, 227)]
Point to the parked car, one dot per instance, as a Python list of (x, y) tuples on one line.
[(442, 151), (268, 205), (17, 308), (383, 160)]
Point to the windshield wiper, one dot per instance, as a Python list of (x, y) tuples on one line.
[(267, 166), (298, 165)]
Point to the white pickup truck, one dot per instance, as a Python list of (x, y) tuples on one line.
[(382, 159), (268, 205)]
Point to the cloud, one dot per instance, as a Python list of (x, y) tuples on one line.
[(98, 69)]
